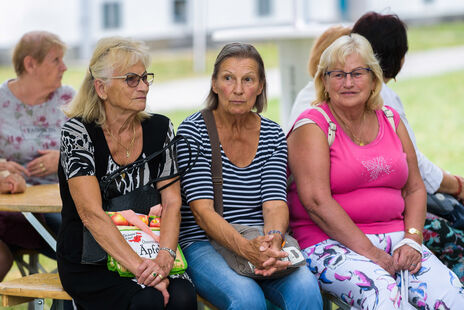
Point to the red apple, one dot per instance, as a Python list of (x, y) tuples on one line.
[(155, 221), (119, 220)]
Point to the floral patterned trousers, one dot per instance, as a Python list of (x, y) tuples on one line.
[(363, 284)]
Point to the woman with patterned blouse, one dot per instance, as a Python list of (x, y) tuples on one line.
[(109, 129), (30, 124)]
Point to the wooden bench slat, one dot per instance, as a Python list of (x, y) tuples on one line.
[(40, 285), (10, 301)]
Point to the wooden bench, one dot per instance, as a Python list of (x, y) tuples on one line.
[(203, 303), (36, 288)]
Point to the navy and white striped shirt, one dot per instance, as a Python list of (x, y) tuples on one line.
[(244, 189)]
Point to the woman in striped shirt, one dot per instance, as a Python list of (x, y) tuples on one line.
[(254, 157)]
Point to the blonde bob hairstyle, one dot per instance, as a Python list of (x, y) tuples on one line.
[(336, 54), (36, 44), (113, 54)]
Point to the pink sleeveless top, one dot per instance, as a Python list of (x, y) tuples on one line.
[(365, 180)]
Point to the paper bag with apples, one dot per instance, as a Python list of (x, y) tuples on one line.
[(142, 234)]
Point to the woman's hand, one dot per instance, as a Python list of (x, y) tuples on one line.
[(13, 167), (165, 263), (383, 259), (13, 183), (150, 274), (45, 164), (265, 256), (407, 258)]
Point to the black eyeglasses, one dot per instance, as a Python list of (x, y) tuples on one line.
[(133, 79), (356, 74)]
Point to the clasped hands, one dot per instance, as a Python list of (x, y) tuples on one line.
[(154, 272), (12, 183), (403, 258), (45, 164), (265, 254)]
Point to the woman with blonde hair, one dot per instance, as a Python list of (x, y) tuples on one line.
[(109, 129), (357, 204)]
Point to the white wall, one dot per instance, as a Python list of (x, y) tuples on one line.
[(20, 16)]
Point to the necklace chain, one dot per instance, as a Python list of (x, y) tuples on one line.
[(131, 144), (348, 128)]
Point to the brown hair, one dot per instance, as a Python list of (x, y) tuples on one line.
[(322, 42), (238, 50), (36, 44)]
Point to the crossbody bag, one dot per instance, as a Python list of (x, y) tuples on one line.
[(239, 264)]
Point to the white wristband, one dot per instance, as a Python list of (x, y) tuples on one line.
[(413, 244)]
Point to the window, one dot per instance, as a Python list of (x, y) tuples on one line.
[(111, 15), (180, 11), (264, 7)]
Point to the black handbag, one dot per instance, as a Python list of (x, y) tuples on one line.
[(139, 200), (239, 264)]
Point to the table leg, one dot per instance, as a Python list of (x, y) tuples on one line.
[(40, 229)]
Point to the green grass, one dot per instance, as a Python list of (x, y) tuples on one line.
[(435, 108), (435, 36)]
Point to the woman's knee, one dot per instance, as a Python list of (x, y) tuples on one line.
[(147, 298), (182, 295)]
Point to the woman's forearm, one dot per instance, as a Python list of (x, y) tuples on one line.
[(452, 185), (276, 216), (170, 217)]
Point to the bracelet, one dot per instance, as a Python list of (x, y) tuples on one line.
[(171, 252), (415, 231), (275, 231), (459, 187)]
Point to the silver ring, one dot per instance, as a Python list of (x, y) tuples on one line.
[(413, 265)]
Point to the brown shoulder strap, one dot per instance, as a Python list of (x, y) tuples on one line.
[(216, 159)]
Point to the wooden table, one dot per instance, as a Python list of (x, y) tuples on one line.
[(36, 199)]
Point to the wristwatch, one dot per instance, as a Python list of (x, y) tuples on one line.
[(414, 231)]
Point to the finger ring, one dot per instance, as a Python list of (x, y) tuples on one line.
[(43, 169), (160, 276), (154, 274), (413, 265), (41, 165)]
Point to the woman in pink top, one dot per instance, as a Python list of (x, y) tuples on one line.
[(357, 205)]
